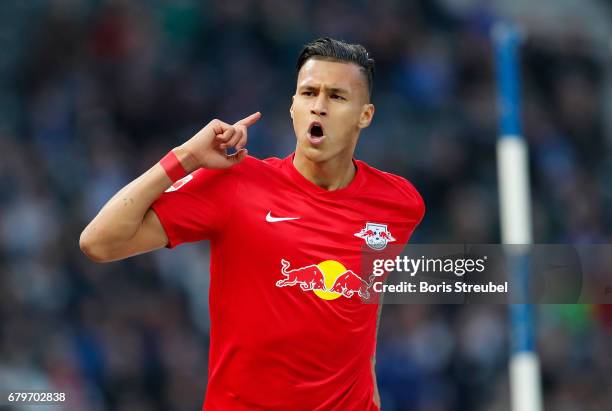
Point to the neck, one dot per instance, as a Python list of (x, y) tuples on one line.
[(333, 174)]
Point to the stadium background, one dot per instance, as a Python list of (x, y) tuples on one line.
[(92, 93)]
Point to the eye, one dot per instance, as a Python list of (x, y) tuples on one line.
[(337, 97), (308, 93)]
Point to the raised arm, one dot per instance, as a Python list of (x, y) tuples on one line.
[(127, 226)]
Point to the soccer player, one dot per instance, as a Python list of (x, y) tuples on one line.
[(289, 329)]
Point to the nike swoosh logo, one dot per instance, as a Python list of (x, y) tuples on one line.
[(271, 219)]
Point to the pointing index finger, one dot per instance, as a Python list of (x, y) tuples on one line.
[(250, 120)]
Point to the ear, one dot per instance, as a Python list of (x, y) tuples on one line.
[(367, 113), (291, 108)]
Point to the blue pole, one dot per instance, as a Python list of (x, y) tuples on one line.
[(515, 216)]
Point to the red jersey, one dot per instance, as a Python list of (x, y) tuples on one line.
[(288, 329)]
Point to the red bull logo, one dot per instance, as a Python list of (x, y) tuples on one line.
[(376, 236), (328, 280), (308, 278)]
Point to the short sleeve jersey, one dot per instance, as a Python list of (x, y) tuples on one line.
[(288, 326)]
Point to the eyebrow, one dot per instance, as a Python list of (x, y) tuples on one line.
[(332, 90)]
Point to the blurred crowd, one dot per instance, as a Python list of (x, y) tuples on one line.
[(93, 93)]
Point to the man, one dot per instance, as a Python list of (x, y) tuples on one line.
[(289, 330)]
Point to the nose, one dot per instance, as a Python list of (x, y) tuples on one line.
[(319, 107)]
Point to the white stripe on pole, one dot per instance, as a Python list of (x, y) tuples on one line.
[(525, 393), (513, 181)]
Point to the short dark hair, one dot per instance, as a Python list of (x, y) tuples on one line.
[(329, 49)]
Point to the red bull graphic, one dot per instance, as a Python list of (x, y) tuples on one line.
[(328, 280), (309, 278), (376, 236), (350, 283)]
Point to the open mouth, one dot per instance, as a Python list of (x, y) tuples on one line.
[(315, 133)]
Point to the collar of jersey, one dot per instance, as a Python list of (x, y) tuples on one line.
[(310, 187)]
